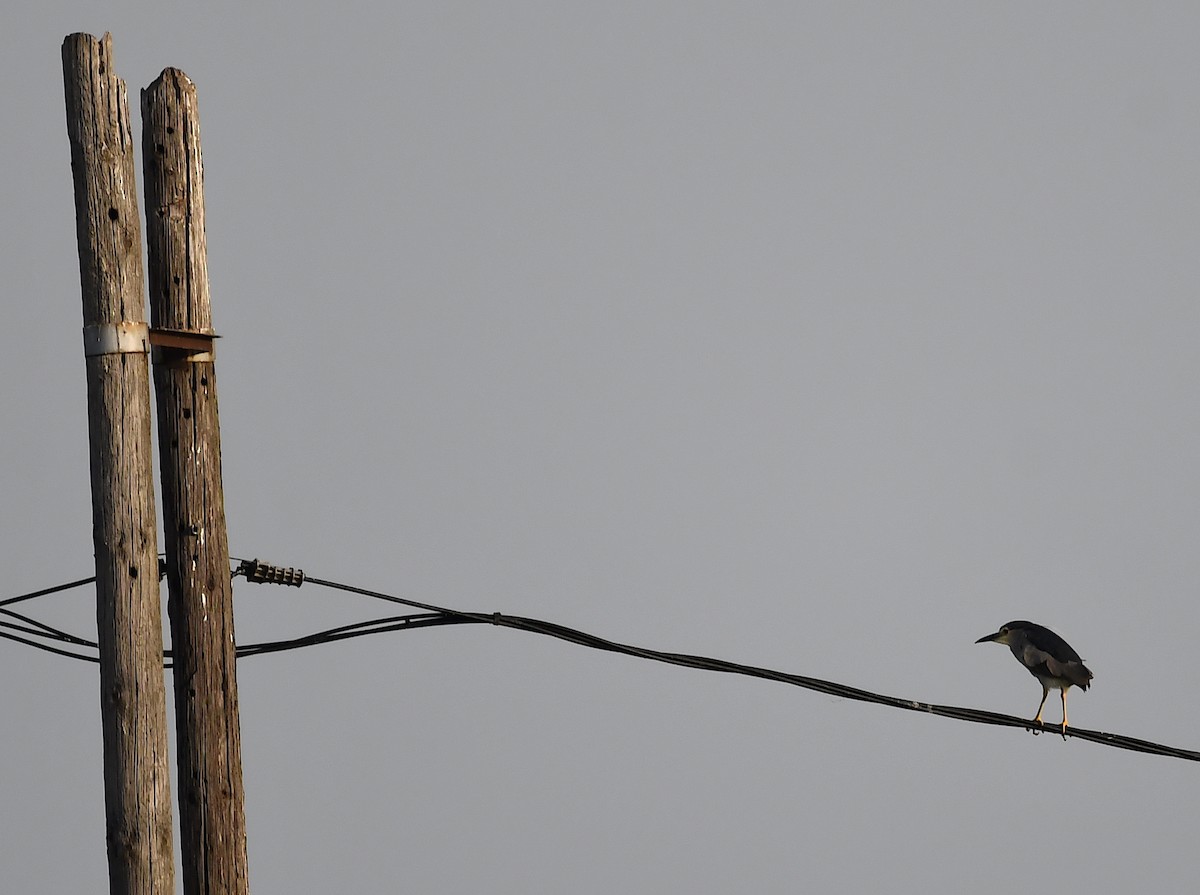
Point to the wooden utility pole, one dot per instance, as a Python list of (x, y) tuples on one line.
[(211, 813), (137, 789)]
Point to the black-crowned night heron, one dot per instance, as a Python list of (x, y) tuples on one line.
[(1047, 657)]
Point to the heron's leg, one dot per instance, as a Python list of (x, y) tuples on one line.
[(1037, 719), (1064, 702)]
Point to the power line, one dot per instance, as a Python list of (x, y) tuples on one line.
[(41, 629), (432, 615), (48, 590), (561, 632)]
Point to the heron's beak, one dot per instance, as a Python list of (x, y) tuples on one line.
[(989, 638)]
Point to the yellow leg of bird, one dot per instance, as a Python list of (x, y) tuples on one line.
[(1037, 719), (1064, 702)]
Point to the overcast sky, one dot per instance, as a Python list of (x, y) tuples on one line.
[(822, 337)]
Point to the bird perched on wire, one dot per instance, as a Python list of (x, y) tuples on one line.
[(1047, 657)]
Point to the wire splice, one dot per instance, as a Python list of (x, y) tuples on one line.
[(265, 573)]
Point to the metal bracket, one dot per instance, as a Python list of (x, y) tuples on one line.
[(176, 345), (116, 338)]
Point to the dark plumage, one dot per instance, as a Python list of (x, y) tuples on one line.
[(1047, 657)]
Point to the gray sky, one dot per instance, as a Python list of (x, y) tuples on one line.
[(823, 337)]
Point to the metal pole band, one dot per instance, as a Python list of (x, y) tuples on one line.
[(116, 338)]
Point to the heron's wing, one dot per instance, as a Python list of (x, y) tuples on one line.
[(1042, 664)]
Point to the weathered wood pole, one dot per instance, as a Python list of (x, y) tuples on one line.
[(211, 810), (137, 789)]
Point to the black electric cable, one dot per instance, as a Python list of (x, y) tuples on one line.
[(40, 629), (438, 615), (48, 590), (977, 716)]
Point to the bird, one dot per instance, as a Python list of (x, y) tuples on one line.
[(1047, 657)]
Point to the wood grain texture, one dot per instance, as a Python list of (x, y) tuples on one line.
[(132, 693), (212, 818)]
